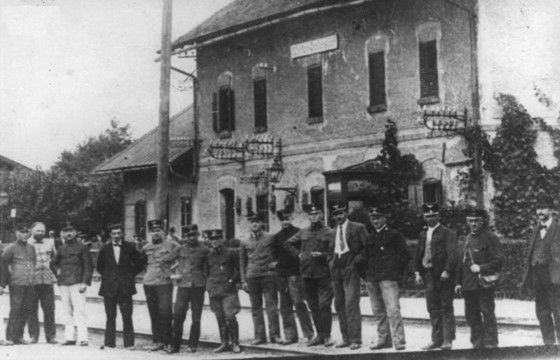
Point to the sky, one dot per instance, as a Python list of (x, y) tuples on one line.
[(68, 67)]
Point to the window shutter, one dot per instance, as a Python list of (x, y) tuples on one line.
[(231, 109), (428, 69), (315, 90), (377, 94), (415, 196), (259, 96), (215, 113)]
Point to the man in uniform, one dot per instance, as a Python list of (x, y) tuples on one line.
[(256, 255), (347, 246), (386, 259), (118, 264), (191, 285), (435, 263), (482, 254), (290, 286), (543, 270), (312, 246), (223, 278), (72, 264), (158, 286), (18, 268), (44, 285)]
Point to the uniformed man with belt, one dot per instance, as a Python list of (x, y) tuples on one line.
[(158, 286), (191, 285), (223, 278), (314, 254), (436, 262), (482, 254)]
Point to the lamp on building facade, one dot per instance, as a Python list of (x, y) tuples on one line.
[(275, 173)]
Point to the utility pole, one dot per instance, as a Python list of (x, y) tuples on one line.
[(162, 189)]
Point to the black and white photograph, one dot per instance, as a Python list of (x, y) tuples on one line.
[(274, 179)]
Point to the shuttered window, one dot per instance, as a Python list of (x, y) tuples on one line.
[(315, 92), (428, 69), (432, 191), (262, 209), (215, 113), (259, 96), (415, 196), (377, 93), (186, 212), (140, 219), (226, 107)]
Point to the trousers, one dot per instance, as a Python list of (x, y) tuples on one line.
[(74, 310)]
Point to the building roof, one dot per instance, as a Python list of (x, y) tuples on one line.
[(11, 164), (242, 14), (142, 154)]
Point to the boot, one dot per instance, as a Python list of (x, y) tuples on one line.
[(234, 333), (224, 337)]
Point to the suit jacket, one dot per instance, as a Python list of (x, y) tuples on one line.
[(443, 248), (352, 261), (386, 255), (117, 280), (551, 241)]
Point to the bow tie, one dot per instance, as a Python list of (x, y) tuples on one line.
[(542, 227), (117, 244)]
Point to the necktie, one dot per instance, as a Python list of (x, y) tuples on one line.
[(542, 227), (117, 244), (340, 236)]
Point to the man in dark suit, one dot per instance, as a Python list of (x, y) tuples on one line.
[(435, 263), (118, 263), (543, 270), (347, 246)]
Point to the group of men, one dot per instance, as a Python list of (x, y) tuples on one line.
[(294, 269)]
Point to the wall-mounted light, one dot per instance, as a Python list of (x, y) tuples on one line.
[(275, 173)]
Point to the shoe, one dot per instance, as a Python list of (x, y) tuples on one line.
[(400, 347), (6, 343), (21, 342), (380, 346), (447, 345), (170, 349), (315, 341), (328, 342), (309, 338), (130, 348), (277, 340), (156, 347), (431, 346), (68, 342), (355, 346), (290, 341), (342, 344), (235, 348), (34, 340), (84, 343), (190, 349), (258, 342), (52, 341)]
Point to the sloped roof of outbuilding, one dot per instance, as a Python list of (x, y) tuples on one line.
[(143, 153), (241, 14), (11, 164)]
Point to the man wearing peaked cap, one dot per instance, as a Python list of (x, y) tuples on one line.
[(482, 254), (290, 286), (543, 270), (312, 246), (191, 285), (223, 277), (18, 270), (347, 244), (435, 265), (256, 255), (158, 285), (386, 259)]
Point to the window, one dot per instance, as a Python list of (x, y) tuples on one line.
[(223, 106), (377, 95), (259, 96), (432, 191), (429, 89), (262, 209), (315, 93), (318, 196), (186, 211), (140, 219)]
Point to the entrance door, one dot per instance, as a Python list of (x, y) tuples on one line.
[(227, 213)]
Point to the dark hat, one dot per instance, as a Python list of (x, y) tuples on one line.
[(190, 230), (214, 234), (377, 211), (475, 213), (22, 227), (313, 209), (429, 209), (81, 234), (253, 217), (68, 227), (544, 202), (155, 224), (116, 226), (282, 214), (338, 206)]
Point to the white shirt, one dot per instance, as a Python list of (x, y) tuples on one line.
[(117, 251), (338, 240), (547, 224)]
